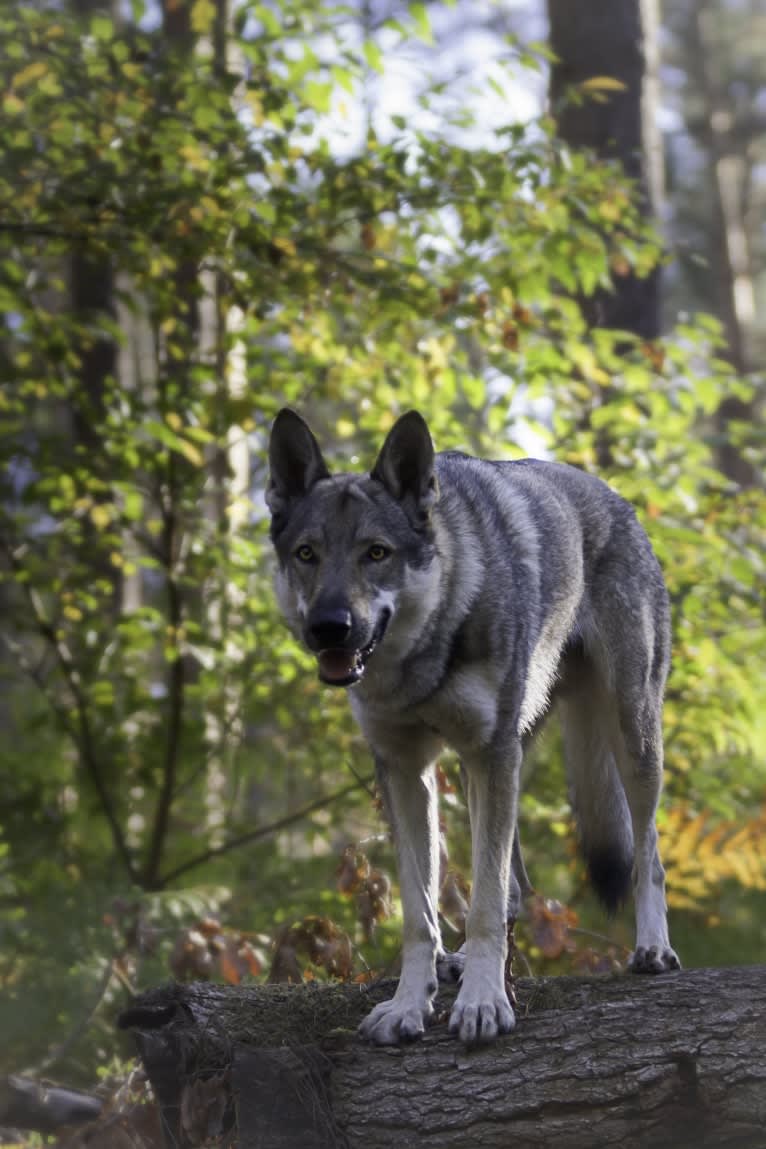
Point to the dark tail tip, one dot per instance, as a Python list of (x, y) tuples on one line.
[(610, 875)]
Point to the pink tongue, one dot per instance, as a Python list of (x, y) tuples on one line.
[(337, 664)]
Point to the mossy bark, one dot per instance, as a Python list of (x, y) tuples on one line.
[(672, 1061)]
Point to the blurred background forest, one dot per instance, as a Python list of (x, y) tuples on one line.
[(209, 210)]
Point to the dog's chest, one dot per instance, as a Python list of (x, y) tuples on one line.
[(463, 713), (465, 709)]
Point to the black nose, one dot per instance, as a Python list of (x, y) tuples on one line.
[(331, 627)]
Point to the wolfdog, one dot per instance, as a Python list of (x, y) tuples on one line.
[(457, 599)]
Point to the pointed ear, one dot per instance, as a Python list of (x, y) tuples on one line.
[(405, 466), (295, 461)]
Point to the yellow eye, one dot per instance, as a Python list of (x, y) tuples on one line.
[(305, 553), (377, 552)]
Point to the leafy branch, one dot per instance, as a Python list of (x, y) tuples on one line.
[(261, 831), (80, 731)]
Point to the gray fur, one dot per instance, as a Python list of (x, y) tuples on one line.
[(460, 599)]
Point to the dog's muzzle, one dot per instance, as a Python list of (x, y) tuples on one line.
[(340, 666)]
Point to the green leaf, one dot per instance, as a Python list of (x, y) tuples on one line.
[(422, 22), (603, 84), (373, 55), (344, 77), (318, 95), (203, 16), (268, 19), (101, 28), (133, 505)]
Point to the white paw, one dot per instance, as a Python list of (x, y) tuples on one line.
[(394, 1021), (449, 967), (653, 959), (482, 1015)]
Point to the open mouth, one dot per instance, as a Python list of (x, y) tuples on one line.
[(341, 667)]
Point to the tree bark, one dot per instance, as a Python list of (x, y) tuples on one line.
[(671, 1061), (729, 162), (590, 39), (28, 1104), (91, 287)]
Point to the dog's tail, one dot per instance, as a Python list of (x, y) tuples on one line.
[(596, 792)]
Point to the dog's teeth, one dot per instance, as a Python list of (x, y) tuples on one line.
[(338, 664)]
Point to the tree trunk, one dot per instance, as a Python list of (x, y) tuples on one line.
[(91, 282), (671, 1061), (729, 161), (590, 39)]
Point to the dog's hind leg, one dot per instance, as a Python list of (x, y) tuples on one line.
[(519, 885), (449, 964), (639, 665), (613, 750), (639, 758), (588, 723)]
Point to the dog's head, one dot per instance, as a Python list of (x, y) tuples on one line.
[(348, 544)]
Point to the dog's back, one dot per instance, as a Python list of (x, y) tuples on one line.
[(554, 571)]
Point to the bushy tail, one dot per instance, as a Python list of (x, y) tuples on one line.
[(597, 795)]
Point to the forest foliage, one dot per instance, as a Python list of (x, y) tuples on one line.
[(184, 249)]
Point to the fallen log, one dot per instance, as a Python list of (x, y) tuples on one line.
[(45, 1108), (674, 1061)]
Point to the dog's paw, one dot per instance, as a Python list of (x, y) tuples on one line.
[(392, 1022), (482, 1018), (449, 967), (653, 959)]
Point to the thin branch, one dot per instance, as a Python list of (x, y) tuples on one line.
[(599, 937), (82, 1025), (176, 693), (35, 674), (259, 832), (369, 786), (81, 732)]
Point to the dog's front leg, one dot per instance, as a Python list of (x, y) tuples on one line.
[(482, 1010), (411, 802)]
